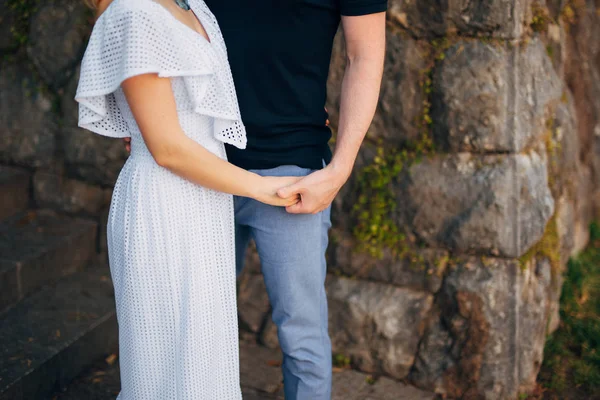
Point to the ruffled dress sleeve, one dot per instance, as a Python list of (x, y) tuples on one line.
[(134, 37)]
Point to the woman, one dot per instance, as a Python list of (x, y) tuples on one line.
[(157, 71)]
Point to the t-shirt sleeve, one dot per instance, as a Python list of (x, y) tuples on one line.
[(128, 40), (132, 38), (362, 7)]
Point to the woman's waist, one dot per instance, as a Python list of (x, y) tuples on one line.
[(144, 174)]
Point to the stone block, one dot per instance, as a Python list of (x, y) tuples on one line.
[(68, 195), (251, 260), (389, 389), (259, 369), (14, 191), (253, 302), (496, 204), (8, 21), (581, 74), (584, 208), (378, 326), (422, 269), (570, 179), (538, 314), (49, 338), (268, 336), (350, 384), (57, 36), (40, 247), (492, 98), (506, 19), (27, 123), (489, 338), (93, 158)]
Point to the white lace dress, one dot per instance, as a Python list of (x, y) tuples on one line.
[(171, 242)]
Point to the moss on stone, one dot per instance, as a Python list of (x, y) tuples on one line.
[(547, 247), (341, 361), (375, 229), (552, 148), (540, 18), (23, 9), (568, 15)]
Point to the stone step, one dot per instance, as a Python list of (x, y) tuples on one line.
[(260, 380), (37, 247), (14, 190), (52, 336)]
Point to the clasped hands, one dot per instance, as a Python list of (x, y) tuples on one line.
[(316, 191)]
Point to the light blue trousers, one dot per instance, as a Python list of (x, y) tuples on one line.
[(292, 248)]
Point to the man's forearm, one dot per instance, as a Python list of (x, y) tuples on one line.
[(365, 52), (360, 93)]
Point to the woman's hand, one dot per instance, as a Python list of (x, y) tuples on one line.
[(266, 192)]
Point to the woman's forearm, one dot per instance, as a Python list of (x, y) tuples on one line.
[(190, 160), (360, 91)]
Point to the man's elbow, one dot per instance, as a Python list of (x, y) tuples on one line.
[(352, 57), (366, 57)]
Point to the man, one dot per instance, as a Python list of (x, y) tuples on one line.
[(279, 51)]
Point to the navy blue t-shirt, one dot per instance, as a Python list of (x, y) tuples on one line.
[(279, 51)]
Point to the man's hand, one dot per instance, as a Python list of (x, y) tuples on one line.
[(316, 190), (127, 142)]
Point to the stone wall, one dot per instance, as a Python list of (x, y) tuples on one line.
[(478, 179)]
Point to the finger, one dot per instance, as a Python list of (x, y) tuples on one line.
[(289, 191), (327, 123), (288, 201), (293, 200), (295, 209)]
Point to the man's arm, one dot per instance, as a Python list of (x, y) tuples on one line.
[(365, 50)]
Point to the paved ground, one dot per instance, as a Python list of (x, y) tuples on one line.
[(261, 379)]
